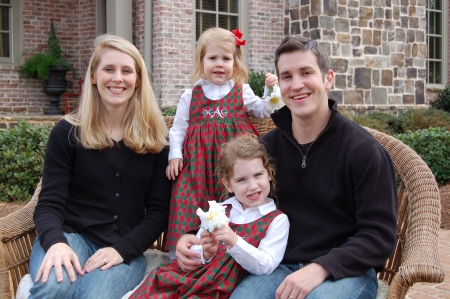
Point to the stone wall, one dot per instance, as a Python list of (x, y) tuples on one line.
[(9, 121), (13, 120), (377, 47)]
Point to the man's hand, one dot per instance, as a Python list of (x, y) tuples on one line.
[(104, 259), (300, 283), (209, 244), (183, 252), (59, 255), (174, 168)]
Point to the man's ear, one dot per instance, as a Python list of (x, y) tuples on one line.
[(227, 185), (329, 79)]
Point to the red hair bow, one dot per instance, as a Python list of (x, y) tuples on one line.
[(238, 34)]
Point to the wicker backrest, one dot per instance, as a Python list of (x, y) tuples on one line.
[(415, 258), (17, 234)]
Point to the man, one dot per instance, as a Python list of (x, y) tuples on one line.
[(336, 184)]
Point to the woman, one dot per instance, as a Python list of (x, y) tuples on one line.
[(105, 197)]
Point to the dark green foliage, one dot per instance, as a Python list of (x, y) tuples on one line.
[(413, 119), (442, 99), (257, 80), (416, 119), (433, 146), (169, 111), (383, 122), (37, 66), (21, 160)]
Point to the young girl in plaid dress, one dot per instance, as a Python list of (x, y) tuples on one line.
[(211, 113), (254, 240)]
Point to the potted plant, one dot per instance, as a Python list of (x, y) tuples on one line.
[(51, 68)]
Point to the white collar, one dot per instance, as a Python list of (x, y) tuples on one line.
[(263, 209), (201, 82)]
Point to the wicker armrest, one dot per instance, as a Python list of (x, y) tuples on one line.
[(17, 234), (419, 218)]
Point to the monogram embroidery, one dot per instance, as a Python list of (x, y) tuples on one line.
[(221, 113)]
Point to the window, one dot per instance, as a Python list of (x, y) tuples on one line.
[(219, 13), (10, 32), (437, 41)]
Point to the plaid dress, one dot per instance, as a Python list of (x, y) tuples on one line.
[(216, 279), (211, 123)]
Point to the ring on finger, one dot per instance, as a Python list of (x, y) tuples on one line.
[(290, 297), (104, 262)]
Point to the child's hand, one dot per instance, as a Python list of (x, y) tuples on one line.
[(209, 244), (174, 167), (271, 79), (226, 235)]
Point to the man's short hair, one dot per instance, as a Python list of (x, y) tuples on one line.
[(300, 43)]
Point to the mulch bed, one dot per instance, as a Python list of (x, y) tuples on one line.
[(6, 208), (445, 206)]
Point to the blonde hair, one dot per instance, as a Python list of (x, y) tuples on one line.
[(227, 40), (244, 147), (145, 129)]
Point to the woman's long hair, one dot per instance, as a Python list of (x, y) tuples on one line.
[(145, 129)]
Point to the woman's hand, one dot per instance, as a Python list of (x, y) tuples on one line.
[(271, 79), (104, 259), (209, 244), (58, 255), (175, 166), (226, 235)]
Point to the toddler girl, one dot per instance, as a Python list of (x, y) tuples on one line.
[(254, 240), (211, 113)]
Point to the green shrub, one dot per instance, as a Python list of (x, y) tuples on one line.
[(416, 119), (442, 99), (169, 111), (257, 80), (37, 66), (380, 121), (433, 145), (21, 160)]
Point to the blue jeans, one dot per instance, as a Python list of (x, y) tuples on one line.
[(264, 286), (108, 284)]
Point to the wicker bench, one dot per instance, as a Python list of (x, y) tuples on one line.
[(415, 259)]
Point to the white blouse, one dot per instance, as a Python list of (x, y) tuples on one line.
[(252, 104), (270, 252)]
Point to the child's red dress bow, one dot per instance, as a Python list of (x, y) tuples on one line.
[(238, 34)]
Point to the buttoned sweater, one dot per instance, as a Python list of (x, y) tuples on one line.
[(123, 207)]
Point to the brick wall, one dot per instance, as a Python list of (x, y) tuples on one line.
[(265, 30), (173, 37), (138, 26), (356, 33), (75, 28)]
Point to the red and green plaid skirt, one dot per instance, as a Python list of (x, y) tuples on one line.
[(211, 123), (216, 279)]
